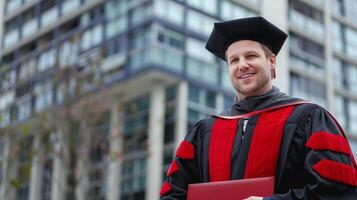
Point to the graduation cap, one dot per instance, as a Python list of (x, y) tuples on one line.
[(252, 28)]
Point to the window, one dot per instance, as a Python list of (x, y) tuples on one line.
[(168, 51), (340, 110), (8, 78), (44, 96), (338, 37), (24, 108), (231, 10), (336, 7), (30, 24), (47, 59), (136, 125), (298, 62), (113, 9), (201, 103), (6, 98), (68, 53), (351, 76), (92, 37), (50, 14), (350, 9), (344, 75), (352, 107), (339, 71), (12, 5), (353, 144), (199, 23), (133, 179), (307, 19), (139, 45), (11, 33), (351, 42), (140, 39), (28, 68), (346, 8), (99, 156), (116, 26), (305, 88), (69, 6), (170, 111), (140, 14), (344, 39), (300, 44), (201, 64), (170, 38), (209, 6), (170, 11), (24, 169)]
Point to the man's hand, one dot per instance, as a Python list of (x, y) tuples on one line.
[(254, 198)]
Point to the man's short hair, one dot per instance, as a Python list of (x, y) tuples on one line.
[(266, 50)]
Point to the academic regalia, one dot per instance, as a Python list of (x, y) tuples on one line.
[(314, 159), (300, 144)]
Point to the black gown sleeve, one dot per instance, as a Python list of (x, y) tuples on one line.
[(184, 167), (320, 161)]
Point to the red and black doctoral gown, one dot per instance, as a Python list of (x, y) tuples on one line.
[(314, 160)]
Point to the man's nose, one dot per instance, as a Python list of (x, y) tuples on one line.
[(243, 64)]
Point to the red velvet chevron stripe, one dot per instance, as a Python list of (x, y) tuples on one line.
[(186, 150), (328, 141), (165, 188), (336, 171), (173, 168), (220, 149)]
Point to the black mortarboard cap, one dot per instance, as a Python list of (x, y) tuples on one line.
[(253, 28)]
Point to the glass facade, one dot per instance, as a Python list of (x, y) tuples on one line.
[(135, 147), (58, 50), (306, 88), (201, 103)]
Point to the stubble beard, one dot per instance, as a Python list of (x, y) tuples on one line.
[(254, 90)]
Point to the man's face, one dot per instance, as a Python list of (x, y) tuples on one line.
[(250, 69)]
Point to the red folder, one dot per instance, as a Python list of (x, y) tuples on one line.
[(231, 190)]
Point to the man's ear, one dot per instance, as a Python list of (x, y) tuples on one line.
[(272, 62)]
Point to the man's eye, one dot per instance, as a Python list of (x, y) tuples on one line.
[(251, 56), (234, 60)]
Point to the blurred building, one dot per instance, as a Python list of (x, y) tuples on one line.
[(95, 95)]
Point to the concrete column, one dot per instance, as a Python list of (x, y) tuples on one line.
[(59, 177), (181, 112), (83, 165), (116, 144), (155, 142), (9, 169), (277, 12), (36, 169), (328, 57)]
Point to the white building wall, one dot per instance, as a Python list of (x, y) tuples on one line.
[(155, 143)]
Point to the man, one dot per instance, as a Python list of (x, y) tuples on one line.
[(265, 132)]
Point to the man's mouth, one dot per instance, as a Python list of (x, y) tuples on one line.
[(246, 75)]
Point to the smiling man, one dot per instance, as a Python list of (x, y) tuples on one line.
[(265, 132)]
